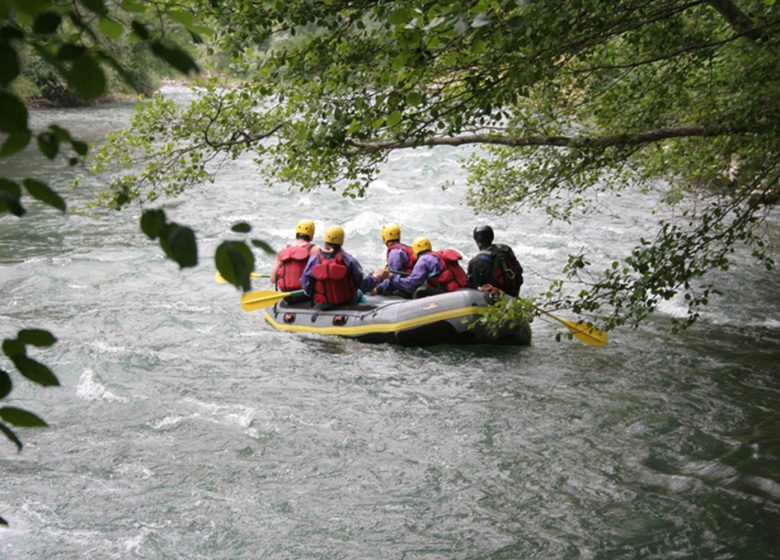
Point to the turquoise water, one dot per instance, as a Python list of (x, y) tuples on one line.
[(186, 428)]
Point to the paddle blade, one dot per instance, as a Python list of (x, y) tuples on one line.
[(253, 301), (587, 334), (221, 279)]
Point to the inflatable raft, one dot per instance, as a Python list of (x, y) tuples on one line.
[(449, 318)]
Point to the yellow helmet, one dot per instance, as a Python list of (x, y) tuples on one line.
[(334, 235), (306, 227), (421, 244), (391, 232)]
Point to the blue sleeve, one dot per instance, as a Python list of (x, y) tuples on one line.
[(384, 286), (422, 269), (307, 280), (365, 283), (397, 259)]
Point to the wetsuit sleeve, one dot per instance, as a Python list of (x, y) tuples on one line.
[(424, 267), (384, 286), (307, 280), (397, 260), (365, 283), (479, 271)]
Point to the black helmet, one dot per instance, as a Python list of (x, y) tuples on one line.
[(483, 235)]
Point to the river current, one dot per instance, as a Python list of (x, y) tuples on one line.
[(186, 428)]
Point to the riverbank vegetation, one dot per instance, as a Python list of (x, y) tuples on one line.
[(565, 101)]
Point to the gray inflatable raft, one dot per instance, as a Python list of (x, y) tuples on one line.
[(449, 318)]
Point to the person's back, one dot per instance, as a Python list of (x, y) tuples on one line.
[(333, 276), (433, 272), (495, 264), (400, 258), (291, 261)]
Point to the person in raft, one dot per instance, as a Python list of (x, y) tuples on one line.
[(334, 277), (495, 266), (434, 272), (291, 261), (400, 258)]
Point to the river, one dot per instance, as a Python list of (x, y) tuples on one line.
[(186, 428)]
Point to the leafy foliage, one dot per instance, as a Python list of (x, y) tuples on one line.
[(567, 100), (74, 41)]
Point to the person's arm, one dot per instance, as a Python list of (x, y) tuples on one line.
[(473, 282), (422, 269), (364, 282)]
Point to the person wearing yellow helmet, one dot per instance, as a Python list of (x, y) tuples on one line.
[(434, 272), (399, 257), (334, 277), (291, 261)]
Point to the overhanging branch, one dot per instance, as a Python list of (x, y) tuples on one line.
[(564, 141)]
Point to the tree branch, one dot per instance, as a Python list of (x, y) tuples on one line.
[(566, 141), (738, 19)]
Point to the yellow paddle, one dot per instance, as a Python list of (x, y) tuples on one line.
[(252, 301), (254, 275), (581, 331)]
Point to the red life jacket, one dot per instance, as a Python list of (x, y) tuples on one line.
[(409, 253), (452, 276), (333, 282), (292, 261)]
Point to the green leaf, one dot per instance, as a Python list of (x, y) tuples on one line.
[(9, 63), (10, 187), (71, 51), (414, 98), (9, 198), (133, 6), (16, 142), (5, 384), (400, 16), (81, 148), (47, 23), (235, 262), (21, 418), (241, 227), (262, 245), (87, 77), (36, 337), (394, 118), (153, 223), (48, 144), (111, 29), (42, 192), (140, 30), (175, 56), (11, 435), (95, 6), (34, 371), (13, 114), (179, 244), (185, 18)]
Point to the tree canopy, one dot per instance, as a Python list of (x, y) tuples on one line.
[(563, 99)]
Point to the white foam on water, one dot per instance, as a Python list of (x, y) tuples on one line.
[(364, 223), (90, 389), (105, 348)]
